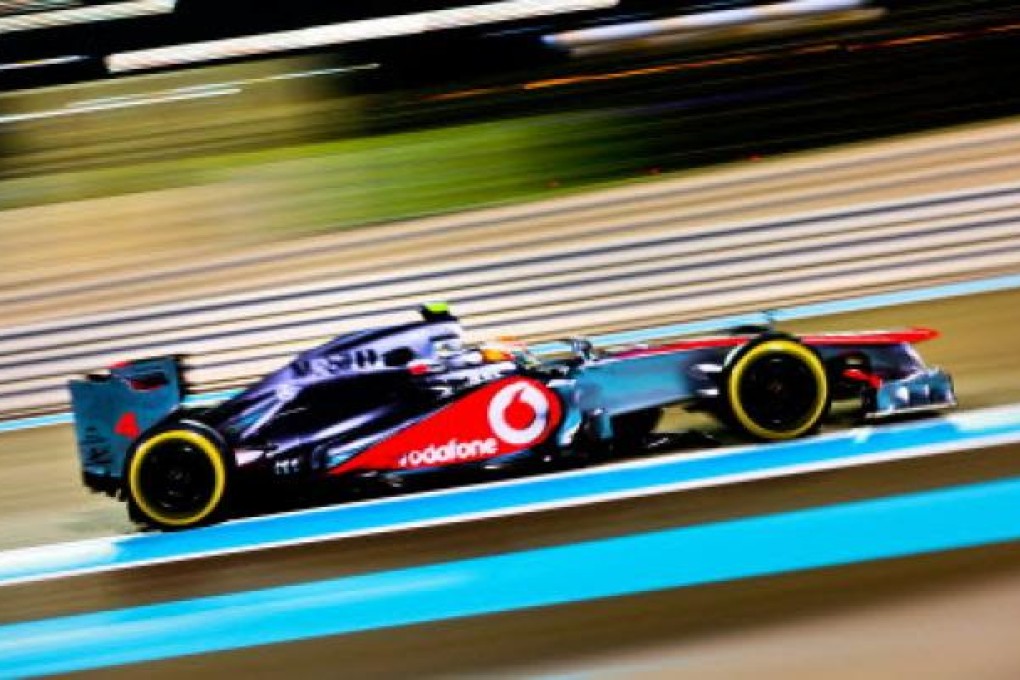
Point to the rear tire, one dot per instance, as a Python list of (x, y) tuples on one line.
[(178, 477), (775, 388)]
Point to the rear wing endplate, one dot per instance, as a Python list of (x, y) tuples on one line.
[(111, 409)]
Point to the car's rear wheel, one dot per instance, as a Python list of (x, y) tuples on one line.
[(776, 388), (177, 478)]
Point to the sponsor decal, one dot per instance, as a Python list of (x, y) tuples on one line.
[(96, 447), (286, 467), (127, 426), (286, 392), (518, 413), (452, 451), (502, 418)]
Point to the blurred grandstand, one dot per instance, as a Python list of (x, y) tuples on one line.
[(646, 86), (52, 41)]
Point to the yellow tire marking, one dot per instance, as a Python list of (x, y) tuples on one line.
[(790, 348), (205, 446)]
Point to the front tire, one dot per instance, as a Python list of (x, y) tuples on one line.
[(776, 389), (177, 477)]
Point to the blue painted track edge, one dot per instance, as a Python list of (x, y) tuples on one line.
[(789, 542)]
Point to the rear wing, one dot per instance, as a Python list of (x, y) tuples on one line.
[(111, 409)]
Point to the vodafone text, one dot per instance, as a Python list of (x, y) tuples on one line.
[(451, 451)]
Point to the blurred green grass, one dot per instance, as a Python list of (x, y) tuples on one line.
[(314, 187)]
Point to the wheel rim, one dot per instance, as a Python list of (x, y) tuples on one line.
[(779, 392), (177, 478), (777, 389)]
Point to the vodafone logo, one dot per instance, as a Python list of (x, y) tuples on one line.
[(498, 419), (518, 414), (452, 451)]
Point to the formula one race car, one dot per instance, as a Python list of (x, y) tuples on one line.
[(385, 405)]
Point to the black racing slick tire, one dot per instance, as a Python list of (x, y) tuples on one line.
[(775, 388), (178, 477)]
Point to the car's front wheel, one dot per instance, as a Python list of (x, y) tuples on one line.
[(776, 388), (177, 477)]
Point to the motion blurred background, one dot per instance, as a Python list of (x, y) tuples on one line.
[(131, 168), (238, 179)]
